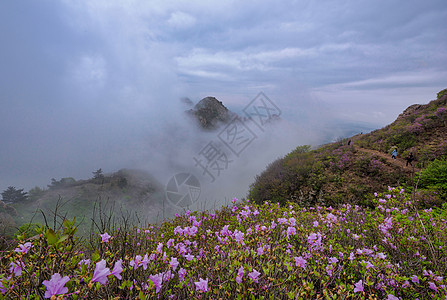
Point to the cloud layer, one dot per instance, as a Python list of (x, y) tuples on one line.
[(90, 84)]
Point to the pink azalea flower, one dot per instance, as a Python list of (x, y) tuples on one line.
[(292, 221), (174, 263), (202, 285), (117, 269), (101, 272), (3, 289), (260, 250), (182, 274), (170, 243), (329, 270), (358, 287), (157, 280), (254, 275), (238, 236), (16, 268), (193, 230), (85, 262), (135, 263), (392, 297), (178, 230), (55, 286), (291, 231), (189, 257), (224, 230), (432, 285), (351, 257), (240, 274), (105, 237), (24, 248), (381, 255), (160, 248), (315, 224)]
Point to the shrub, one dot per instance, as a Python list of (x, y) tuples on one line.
[(434, 177)]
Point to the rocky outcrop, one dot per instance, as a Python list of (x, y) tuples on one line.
[(210, 113)]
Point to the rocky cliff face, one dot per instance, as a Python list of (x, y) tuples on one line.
[(210, 113)]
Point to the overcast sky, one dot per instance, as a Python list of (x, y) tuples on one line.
[(83, 82)]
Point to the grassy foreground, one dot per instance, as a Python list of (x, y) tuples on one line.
[(243, 251)]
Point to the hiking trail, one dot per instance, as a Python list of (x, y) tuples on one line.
[(400, 162)]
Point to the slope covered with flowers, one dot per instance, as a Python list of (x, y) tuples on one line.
[(244, 251)]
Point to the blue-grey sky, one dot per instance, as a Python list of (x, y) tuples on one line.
[(83, 83)]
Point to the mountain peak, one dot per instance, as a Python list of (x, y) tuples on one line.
[(210, 112)]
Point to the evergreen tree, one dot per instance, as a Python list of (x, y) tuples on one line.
[(12, 195), (98, 174)]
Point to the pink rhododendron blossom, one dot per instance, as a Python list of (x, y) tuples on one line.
[(157, 280), (85, 262), (182, 274), (56, 285), (101, 272), (381, 255), (189, 257), (3, 289), (300, 262), (240, 274), (358, 287), (238, 236), (117, 269), (160, 248), (178, 230), (105, 237), (291, 231), (193, 230), (174, 263), (24, 248), (254, 275), (432, 286), (292, 221), (202, 285), (329, 270), (16, 268), (392, 297), (333, 260), (331, 217), (282, 220)]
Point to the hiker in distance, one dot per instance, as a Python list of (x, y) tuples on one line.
[(394, 153), (409, 159)]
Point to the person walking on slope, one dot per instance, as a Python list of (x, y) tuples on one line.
[(394, 153), (409, 159)]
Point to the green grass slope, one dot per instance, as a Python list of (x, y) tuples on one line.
[(340, 173)]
